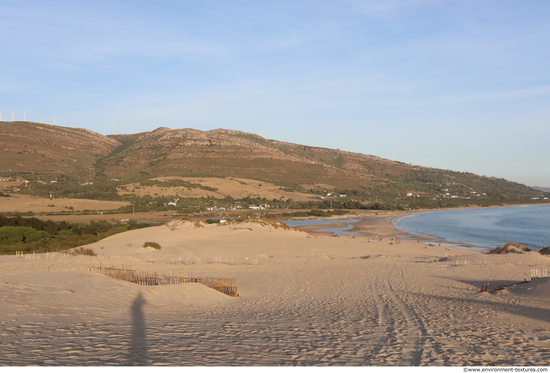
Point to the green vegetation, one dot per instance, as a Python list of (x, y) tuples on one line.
[(154, 245), (68, 187), (12, 235), (33, 235), (176, 183), (319, 213)]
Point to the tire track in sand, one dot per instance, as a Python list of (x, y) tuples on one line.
[(404, 328), (416, 335)]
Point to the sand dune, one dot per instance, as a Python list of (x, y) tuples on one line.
[(304, 300)]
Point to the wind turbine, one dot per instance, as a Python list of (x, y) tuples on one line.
[(92, 126), (25, 115), (1, 120), (113, 128), (153, 124), (40, 118), (54, 120), (69, 125), (13, 116), (130, 128)]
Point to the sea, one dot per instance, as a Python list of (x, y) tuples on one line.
[(484, 227)]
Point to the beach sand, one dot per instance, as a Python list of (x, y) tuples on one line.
[(304, 300)]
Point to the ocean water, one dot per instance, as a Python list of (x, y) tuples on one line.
[(488, 227)]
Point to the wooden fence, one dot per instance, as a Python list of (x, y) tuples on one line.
[(228, 286), (535, 274)]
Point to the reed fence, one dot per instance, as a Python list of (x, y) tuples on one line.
[(228, 286), (538, 273), (535, 274)]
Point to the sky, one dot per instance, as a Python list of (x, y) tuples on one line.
[(456, 85)]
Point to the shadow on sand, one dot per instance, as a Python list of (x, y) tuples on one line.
[(138, 344)]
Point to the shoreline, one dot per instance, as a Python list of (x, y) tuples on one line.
[(362, 227), (371, 226), (467, 245), (362, 215)]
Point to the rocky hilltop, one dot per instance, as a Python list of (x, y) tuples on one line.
[(220, 152)]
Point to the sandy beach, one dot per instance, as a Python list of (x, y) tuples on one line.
[(304, 300)]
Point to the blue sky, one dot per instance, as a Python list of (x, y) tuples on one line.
[(460, 85)]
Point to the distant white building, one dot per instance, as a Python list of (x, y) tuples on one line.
[(261, 207)]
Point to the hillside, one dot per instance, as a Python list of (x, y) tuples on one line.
[(45, 151), (29, 148), (227, 153)]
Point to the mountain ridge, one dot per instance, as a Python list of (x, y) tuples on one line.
[(46, 151)]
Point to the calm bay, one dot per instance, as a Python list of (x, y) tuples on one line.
[(486, 227)]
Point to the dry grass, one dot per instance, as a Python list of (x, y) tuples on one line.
[(200, 223), (262, 222), (83, 251), (510, 246), (270, 223), (24, 203), (234, 187)]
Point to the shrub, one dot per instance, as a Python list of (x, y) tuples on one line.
[(155, 245), (83, 251), (11, 235)]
